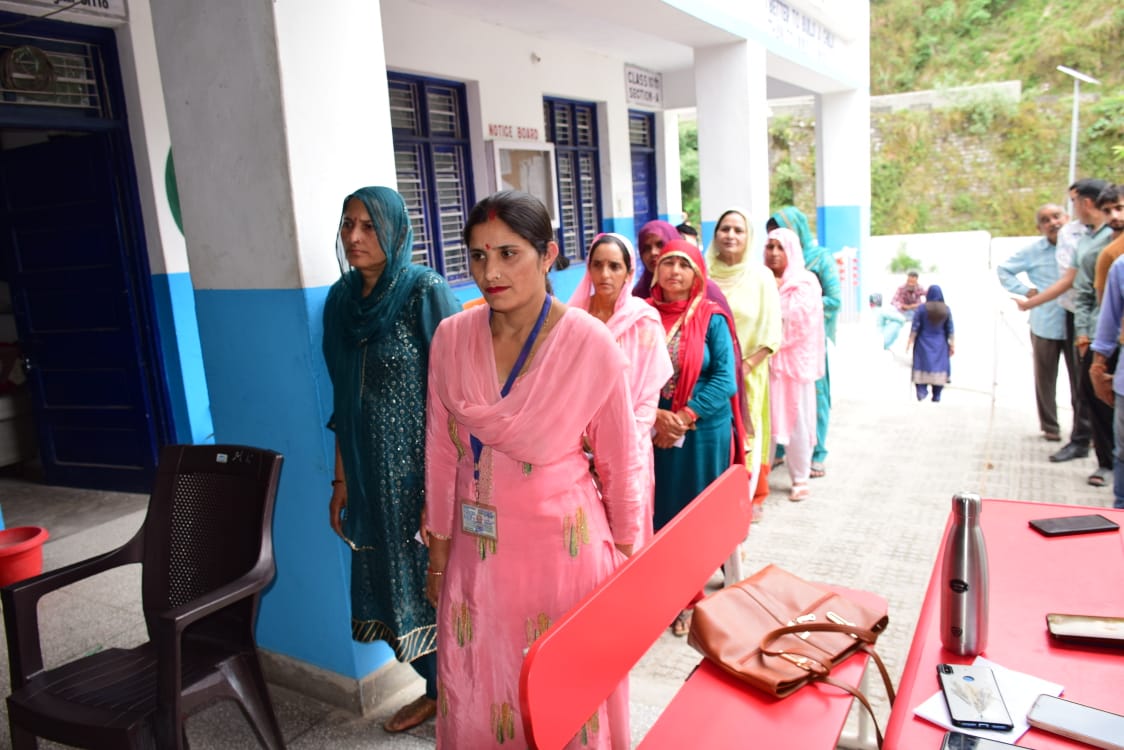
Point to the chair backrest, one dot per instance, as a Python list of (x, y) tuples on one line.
[(615, 625), (209, 521)]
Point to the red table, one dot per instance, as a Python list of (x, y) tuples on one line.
[(1030, 575)]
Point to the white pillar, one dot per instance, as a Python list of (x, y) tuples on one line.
[(843, 180), (276, 112), (733, 132)]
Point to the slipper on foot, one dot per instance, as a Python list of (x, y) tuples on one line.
[(817, 470), (799, 492), (1099, 478), (682, 624), (411, 715)]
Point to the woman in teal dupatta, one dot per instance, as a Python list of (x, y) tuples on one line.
[(379, 319), (819, 261)]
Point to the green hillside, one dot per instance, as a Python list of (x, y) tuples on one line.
[(958, 42), (986, 165)]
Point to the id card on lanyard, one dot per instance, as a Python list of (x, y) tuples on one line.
[(477, 518)]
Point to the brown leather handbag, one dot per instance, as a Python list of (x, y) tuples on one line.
[(778, 632)]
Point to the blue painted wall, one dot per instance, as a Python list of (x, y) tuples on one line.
[(269, 387), (838, 227), (174, 301)]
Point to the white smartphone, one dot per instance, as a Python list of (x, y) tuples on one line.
[(1078, 722), (972, 696)]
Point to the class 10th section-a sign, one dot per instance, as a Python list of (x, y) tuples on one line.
[(643, 88)]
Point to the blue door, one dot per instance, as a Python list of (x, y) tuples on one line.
[(643, 189), (641, 126), (77, 311)]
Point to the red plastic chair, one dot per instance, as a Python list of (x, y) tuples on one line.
[(618, 621)]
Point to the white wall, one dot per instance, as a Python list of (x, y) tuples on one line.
[(148, 132), (510, 84), (337, 118)]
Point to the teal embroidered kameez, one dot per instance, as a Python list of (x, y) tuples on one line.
[(377, 352)]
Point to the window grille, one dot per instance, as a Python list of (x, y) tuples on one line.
[(572, 127), (431, 160), (46, 72)]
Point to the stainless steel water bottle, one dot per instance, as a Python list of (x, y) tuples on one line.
[(964, 593)]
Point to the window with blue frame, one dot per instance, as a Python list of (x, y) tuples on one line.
[(431, 157), (572, 127)]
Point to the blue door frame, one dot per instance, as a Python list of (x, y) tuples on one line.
[(117, 171)]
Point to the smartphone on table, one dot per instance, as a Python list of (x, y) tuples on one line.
[(1079, 722), (1086, 630), (957, 741), (1088, 523), (972, 696)]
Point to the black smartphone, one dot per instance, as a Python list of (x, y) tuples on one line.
[(1089, 523), (957, 741), (972, 696)]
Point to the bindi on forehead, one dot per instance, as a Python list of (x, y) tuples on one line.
[(487, 246)]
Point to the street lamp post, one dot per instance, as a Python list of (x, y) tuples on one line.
[(1078, 77)]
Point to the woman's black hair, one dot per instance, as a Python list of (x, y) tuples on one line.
[(523, 212), (610, 238), (527, 217)]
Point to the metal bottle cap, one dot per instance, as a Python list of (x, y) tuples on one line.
[(967, 504)]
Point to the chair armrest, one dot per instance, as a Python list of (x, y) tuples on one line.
[(253, 581), (21, 605)]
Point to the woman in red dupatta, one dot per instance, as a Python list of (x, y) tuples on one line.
[(699, 431)]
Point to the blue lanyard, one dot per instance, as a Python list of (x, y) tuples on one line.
[(477, 446)]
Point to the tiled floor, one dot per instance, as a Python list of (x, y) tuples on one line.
[(874, 522)]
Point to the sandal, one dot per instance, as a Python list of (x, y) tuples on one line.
[(1099, 477), (682, 624), (778, 461), (817, 470), (799, 492), (411, 715)]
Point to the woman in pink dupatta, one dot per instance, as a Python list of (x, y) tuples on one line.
[(798, 364), (517, 530), (603, 292)]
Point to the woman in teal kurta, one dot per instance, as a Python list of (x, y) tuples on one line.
[(698, 432), (379, 319)]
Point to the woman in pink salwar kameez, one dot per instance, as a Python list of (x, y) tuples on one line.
[(518, 532), (798, 364), (636, 326)]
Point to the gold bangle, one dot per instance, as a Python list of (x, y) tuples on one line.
[(440, 537), (432, 572)]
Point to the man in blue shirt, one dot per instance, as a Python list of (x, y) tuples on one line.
[(1047, 321), (1109, 388)]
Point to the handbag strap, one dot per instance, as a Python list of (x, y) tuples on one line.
[(821, 666)]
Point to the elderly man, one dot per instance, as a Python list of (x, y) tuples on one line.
[(1038, 264), (908, 298)]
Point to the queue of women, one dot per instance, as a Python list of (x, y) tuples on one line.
[(538, 443)]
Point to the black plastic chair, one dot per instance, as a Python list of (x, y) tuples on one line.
[(206, 553)]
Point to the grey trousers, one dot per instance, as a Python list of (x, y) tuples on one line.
[(1047, 352)]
